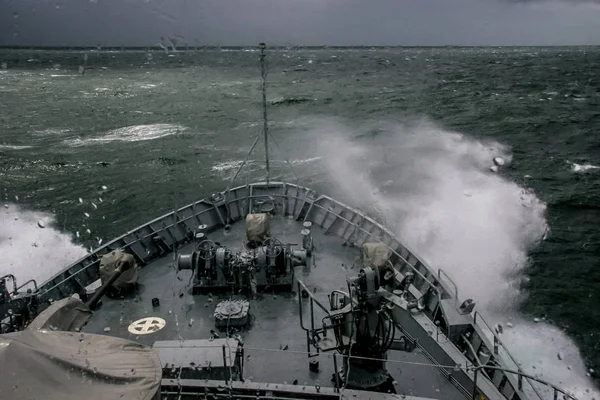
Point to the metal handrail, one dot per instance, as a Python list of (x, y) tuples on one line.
[(497, 342), (27, 283), (313, 300), (321, 306), (521, 375), (71, 276), (440, 272), (365, 217)]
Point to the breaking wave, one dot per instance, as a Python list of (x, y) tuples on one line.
[(437, 191), (52, 132), (13, 147), (133, 133), (283, 101), (226, 166), (582, 167), (29, 251)]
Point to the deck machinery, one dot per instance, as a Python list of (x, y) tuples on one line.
[(265, 262)]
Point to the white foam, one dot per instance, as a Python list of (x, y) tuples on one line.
[(227, 165), (52, 132), (305, 160), (582, 167), (234, 165), (13, 147), (133, 133), (443, 202), (147, 85), (542, 342), (29, 251)]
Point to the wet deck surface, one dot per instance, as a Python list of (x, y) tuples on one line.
[(275, 319)]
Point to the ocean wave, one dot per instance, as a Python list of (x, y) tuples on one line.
[(305, 160), (135, 133), (52, 131), (147, 85), (284, 101), (226, 166), (13, 147), (30, 251), (231, 165), (582, 167)]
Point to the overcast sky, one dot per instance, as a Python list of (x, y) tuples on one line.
[(300, 22)]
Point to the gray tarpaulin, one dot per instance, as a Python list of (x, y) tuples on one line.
[(109, 262), (69, 314), (55, 365), (257, 228), (374, 254)]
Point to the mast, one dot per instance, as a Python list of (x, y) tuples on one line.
[(263, 67)]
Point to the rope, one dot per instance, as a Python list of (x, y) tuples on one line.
[(243, 163), (286, 160)]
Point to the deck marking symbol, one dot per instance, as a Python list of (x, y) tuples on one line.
[(146, 326)]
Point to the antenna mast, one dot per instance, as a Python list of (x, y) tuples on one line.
[(263, 67)]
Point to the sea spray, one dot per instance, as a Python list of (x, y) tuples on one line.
[(435, 190), (28, 251)]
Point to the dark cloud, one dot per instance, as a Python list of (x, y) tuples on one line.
[(301, 22)]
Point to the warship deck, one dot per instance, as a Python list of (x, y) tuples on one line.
[(275, 320)]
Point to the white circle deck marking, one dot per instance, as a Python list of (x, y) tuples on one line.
[(146, 325)]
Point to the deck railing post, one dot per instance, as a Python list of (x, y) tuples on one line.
[(336, 374), (475, 384), (225, 364), (520, 381)]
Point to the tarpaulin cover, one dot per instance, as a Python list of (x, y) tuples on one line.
[(56, 365), (257, 228), (374, 254), (110, 261), (68, 314)]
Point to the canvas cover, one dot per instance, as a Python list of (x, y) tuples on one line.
[(56, 365), (374, 254), (257, 228), (68, 314), (110, 261)]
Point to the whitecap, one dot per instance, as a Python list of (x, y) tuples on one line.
[(226, 166), (133, 133), (52, 131), (582, 167), (30, 252), (13, 147), (305, 161)]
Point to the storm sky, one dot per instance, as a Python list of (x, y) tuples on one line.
[(299, 22)]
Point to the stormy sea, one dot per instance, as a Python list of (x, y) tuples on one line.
[(484, 161)]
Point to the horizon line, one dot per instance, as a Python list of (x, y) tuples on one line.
[(279, 47)]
